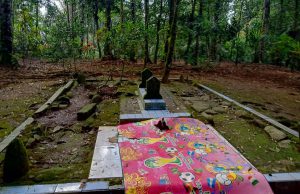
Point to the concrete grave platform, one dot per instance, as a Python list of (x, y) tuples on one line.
[(132, 109), (106, 161)]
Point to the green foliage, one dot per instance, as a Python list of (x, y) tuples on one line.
[(286, 51), (16, 162), (228, 30)]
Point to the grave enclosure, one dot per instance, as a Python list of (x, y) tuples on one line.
[(152, 101)]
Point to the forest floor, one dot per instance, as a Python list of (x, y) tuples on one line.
[(268, 89)]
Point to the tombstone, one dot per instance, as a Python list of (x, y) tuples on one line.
[(152, 88), (146, 74)]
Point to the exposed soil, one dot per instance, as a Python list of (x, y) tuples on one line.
[(68, 116)]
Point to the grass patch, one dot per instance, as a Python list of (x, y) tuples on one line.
[(109, 112), (255, 144)]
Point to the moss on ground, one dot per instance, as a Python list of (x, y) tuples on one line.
[(252, 141), (255, 144), (15, 111), (109, 112), (272, 101)]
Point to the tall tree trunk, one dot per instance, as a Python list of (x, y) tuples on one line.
[(157, 31), (107, 46), (171, 15), (132, 11), (82, 25), (37, 18), (238, 34), (172, 35), (215, 31), (265, 29), (190, 26), (281, 17), (296, 16), (96, 22), (122, 14), (6, 35), (146, 49), (197, 45)]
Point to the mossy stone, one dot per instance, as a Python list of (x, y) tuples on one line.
[(16, 162), (86, 111)]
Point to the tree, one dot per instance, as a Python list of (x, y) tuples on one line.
[(96, 23), (198, 29), (171, 44), (107, 46), (265, 29), (190, 32), (6, 35), (171, 15), (146, 51), (157, 30), (133, 19)]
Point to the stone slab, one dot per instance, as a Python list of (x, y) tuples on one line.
[(49, 188), (104, 134), (58, 93), (106, 162), (14, 190), (88, 187), (95, 186), (68, 187), (283, 177), (145, 115)]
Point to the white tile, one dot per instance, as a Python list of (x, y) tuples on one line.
[(14, 190), (95, 186), (106, 153), (68, 187), (49, 188), (103, 169)]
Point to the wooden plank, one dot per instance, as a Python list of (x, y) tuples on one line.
[(264, 117), (59, 92), (15, 133), (106, 162)]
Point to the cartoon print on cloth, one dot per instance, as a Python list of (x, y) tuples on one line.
[(129, 133), (198, 161), (136, 184), (148, 140), (164, 179), (128, 154), (201, 148), (187, 179), (171, 151), (157, 162), (184, 129), (142, 123)]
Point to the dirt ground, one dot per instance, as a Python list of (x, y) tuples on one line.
[(273, 90)]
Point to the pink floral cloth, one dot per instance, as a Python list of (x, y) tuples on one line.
[(189, 158)]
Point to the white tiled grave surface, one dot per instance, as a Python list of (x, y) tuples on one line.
[(106, 162)]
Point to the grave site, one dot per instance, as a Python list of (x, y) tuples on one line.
[(97, 134), (149, 97)]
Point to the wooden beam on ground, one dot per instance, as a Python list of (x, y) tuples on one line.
[(264, 117), (15, 133), (59, 92)]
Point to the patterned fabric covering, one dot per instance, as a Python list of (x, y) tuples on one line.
[(189, 158)]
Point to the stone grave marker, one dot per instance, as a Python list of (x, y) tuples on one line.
[(152, 88), (146, 74)]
